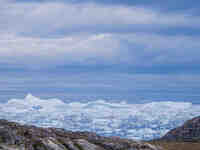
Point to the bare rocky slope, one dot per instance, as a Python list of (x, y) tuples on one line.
[(188, 132), (185, 137), (14, 136)]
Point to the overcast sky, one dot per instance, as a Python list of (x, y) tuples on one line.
[(91, 34)]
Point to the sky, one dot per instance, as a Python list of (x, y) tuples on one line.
[(103, 55), (112, 47), (90, 34)]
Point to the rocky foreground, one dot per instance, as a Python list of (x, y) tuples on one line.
[(14, 136)]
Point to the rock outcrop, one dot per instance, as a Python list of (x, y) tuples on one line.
[(189, 132), (14, 136)]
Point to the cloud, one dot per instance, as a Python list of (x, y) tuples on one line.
[(134, 49), (84, 49), (164, 49), (52, 17), (56, 34)]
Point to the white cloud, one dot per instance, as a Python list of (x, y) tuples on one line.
[(21, 25), (134, 48), (84, 49), (52, 16)]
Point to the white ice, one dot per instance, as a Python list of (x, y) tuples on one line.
[(137, 121)]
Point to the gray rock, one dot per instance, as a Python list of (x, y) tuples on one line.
[(14, 136), (70, 145), (53, 144), (6, 147), (85, 145)]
